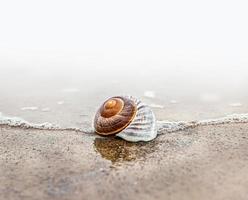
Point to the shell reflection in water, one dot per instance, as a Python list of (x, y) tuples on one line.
[(118, 151), (126, 117)]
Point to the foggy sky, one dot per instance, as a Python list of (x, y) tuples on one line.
[(131, 34)]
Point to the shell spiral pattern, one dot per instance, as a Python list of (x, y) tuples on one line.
[(132, 121)]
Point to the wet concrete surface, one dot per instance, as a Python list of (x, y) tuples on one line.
[(207, 162)]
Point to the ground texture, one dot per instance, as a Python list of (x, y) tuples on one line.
[(209, 162)]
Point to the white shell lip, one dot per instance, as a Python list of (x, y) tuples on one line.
[(143, 127)]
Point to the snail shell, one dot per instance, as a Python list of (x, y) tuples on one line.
[(126, 117)]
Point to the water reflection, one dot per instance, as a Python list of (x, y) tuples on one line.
[(117, 150)]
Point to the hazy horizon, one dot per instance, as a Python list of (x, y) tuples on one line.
[(193, 52)]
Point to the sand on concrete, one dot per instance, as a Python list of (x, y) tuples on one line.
[(206, 162)]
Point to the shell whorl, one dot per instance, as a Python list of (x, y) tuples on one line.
[(111, 107), (114, 115), (126, 117)]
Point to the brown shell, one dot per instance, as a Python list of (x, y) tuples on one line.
[(114, 115)]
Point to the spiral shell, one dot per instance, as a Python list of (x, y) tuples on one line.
[(126, 117)]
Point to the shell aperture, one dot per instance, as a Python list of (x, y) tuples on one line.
[(126, 117)]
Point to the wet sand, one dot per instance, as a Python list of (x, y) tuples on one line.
[(206, 162)]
